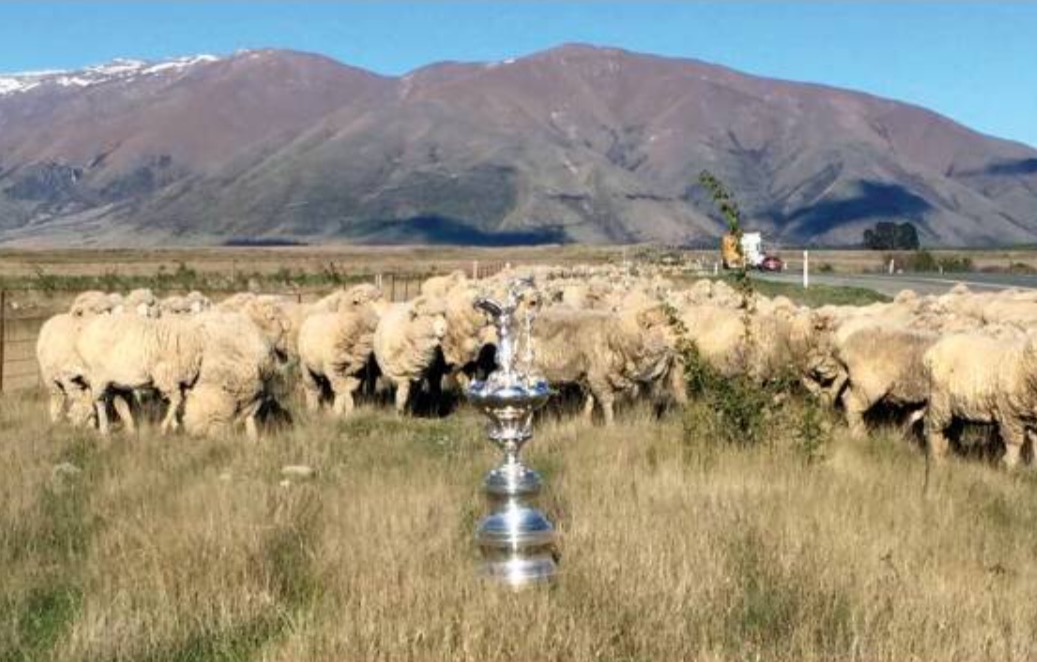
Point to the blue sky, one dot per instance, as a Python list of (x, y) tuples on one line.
[(975, 62)]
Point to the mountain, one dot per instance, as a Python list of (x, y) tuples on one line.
[(577, 143)]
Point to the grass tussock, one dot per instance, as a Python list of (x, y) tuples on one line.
[(676, 544)]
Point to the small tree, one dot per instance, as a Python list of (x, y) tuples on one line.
[(886, 236)]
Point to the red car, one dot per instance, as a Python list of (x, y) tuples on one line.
[(772, 263)]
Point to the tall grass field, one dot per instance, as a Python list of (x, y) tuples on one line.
[(677, 543)]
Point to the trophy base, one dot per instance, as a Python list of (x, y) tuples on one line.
[(518, 569), (517, 544)]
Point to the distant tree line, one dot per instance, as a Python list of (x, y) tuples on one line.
[(888, 236)]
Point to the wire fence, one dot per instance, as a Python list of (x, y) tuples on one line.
[(24, 310)]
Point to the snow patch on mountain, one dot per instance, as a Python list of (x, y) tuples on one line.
[(117, 70)]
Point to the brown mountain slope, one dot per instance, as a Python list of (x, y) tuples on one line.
[(572, 144)]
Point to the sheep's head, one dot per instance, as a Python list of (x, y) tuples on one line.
[(198, 302), (433, 311), (363, 294), (142, 302), (90, 303), (271, 320), (173, 305)]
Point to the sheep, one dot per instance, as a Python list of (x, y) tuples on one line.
[(468, 330), (61, 369), (603, 352), (725, 339), (132, 352), (973, 377), (883, 364), (268, 313), (406, 343), (336, 347), (237, 366)]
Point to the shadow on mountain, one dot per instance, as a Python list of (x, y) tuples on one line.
[(438, 230), (1014, 167), (875, 199)]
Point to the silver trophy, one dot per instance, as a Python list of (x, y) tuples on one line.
[(516, 539)]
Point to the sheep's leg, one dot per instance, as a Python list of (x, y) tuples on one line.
[(588, 407), (122, 407), (913, 418), (462, 380), (251, 427), (935, 435), (603, 393), (101, 407), (678, 385), (311, 389), (1014, 436), (344, 387), (855, 406), (607, 408), (402, 395), (170, 421), (56, 403)]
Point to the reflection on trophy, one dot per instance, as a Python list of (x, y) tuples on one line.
[(516, 539)]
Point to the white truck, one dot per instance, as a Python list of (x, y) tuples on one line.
[(752, 249)]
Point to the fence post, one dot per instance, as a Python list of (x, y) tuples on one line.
[(3, 334), (806, 269), (392, 295), (475, 269)]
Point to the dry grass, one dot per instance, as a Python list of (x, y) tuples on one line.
[(18, 264), (361, 260), (674, 547)]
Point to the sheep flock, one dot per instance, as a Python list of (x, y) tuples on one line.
[(211, 367)]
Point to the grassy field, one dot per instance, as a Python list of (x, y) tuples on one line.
[(233, 267), (20, 268), (675, 545), (678, 541)]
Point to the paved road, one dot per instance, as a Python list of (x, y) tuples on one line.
[(923, 284)]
